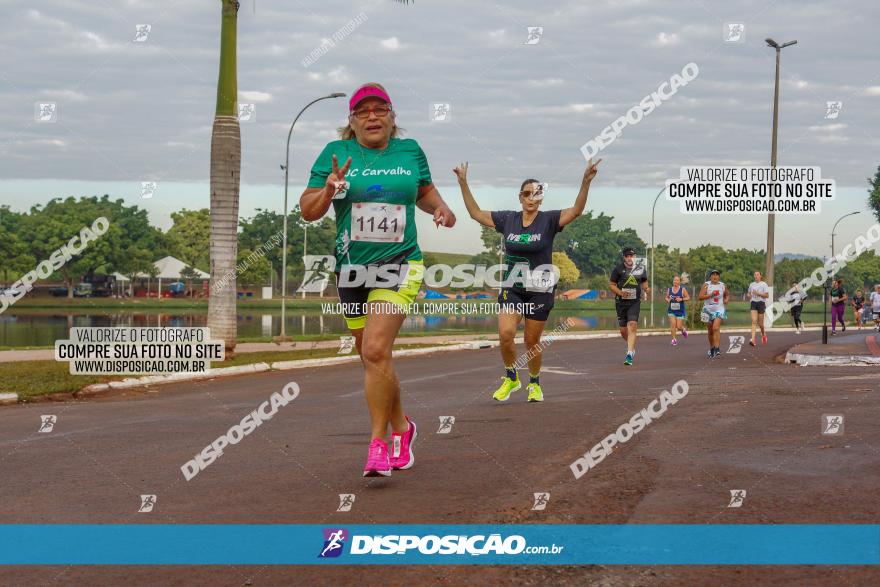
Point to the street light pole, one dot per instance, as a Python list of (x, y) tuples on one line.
[(825, 313), (771, 217), (286, 167), (827, 284), (305, 248), (835, 228), (653, 208)]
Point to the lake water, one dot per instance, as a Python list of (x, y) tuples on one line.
[(41, 327)]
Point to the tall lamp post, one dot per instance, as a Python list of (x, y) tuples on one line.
[(827, 285), (835, 228), (286, 168), (653, 208), (771, 218), (305, 248)]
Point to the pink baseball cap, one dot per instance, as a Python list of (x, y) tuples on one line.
[(367, 91)]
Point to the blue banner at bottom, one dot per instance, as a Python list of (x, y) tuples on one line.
[(522, 544)]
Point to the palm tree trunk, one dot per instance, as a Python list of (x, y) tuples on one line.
[(225, 183)]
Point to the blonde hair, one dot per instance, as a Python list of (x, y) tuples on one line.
[(346, 132)]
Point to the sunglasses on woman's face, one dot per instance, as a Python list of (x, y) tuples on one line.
[(533, 195), (379, 111)]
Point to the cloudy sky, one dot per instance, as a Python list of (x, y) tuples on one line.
[(131, 111)]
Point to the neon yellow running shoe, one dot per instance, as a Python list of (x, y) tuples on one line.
[(535, 393), (508, 386)]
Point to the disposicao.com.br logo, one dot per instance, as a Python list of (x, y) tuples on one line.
[(334, 542), (430, 544)]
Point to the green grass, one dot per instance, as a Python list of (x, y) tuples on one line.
[(30, 379), (445, 258)]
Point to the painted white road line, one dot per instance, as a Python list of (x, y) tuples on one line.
[(427, 378)]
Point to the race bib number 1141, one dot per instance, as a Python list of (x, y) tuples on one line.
[(377, 222)]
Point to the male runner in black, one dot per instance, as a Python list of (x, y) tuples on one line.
[(626, 280)]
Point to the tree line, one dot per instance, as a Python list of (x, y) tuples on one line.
[(132, 245), (586, 251), (593, 247)]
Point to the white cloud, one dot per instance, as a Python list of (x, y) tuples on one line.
[(338, 75), (666, 39), (872, 91), (253, 96), (582, 107), (392, 44), (547, 81), (65, 95), (833, 139), (96, 41), (46, 142), (46, 20), (828, 127)]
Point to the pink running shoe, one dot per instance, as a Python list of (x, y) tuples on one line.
[(674, 342), (401, 447), (684, 333), (378, 463)]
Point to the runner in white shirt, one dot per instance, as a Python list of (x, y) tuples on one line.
[(758, 294), (875, 306), (715, 296)]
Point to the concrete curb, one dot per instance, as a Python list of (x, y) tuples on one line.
[(130, 383), (93, 389), (831, 360), (176, 377), (439, 349), (285, 365), (328, 361)]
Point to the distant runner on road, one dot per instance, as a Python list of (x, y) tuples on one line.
[(759, 291), (875, 306), (676, 296), (629, 283), (796, 301), (838, 306), (858, 302), (715, 296)]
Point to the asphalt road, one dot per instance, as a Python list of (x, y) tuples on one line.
[(748, 422)]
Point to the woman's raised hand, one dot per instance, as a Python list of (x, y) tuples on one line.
[(461, 172), (336, 179), (592, 169)]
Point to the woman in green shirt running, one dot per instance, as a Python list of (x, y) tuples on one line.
[(379, 265)]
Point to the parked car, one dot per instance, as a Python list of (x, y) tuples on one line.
[(58, 292), (102, 285), (178, 288), (82, 290), (10, 291)]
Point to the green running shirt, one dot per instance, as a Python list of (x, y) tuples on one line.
[(375, 219)]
